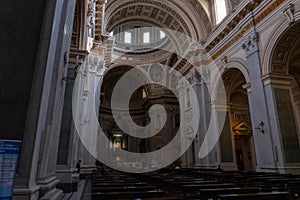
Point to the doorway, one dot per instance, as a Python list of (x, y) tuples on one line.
[(244, 153)]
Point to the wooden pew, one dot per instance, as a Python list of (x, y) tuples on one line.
[(123, 189), (213, 193), (255, 196), (127, 194)]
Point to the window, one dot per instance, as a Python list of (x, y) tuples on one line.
[(127, 38), (146, 37), (220, 9), (111, 34), (162, 34)]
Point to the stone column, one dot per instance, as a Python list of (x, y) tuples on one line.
[(199, 88), (181, 94), (46, 177), (95, 67), (36, 177), (258, 107), (68, 139)]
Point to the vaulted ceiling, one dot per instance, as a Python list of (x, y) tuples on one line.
[(187, 16)]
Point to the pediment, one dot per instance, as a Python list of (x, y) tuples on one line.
[(242, 127)]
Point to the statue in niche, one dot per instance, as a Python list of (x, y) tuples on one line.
[(91, 18)]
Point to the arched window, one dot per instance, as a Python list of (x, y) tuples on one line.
[(146, 37), (127, 37), (220, 10), (111, 34), (162, 34)]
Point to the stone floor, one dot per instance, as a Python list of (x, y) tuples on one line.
[(83, 192)]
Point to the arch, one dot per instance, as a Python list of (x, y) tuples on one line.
[(143, 78), (281, 29), (234, 63), (238, 139), (181, 13), (144, 75), (240, 65)]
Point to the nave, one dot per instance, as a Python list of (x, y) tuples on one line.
[(171, 184)]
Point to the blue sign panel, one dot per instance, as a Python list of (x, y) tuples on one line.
[(9, 154)]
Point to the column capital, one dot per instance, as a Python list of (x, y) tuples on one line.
[(77, 56), (194, 77), (250, 43), (95, 63)]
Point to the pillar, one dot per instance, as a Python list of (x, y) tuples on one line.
[(35, 178), (263, 142), (181, 95), (67, 154)]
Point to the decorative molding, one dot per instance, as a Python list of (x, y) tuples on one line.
[(240, 34), (94, 62), (289, 13), (191, 13), (154, 10), (225, 62), (194, 77)]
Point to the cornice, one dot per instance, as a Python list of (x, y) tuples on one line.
[(77, 56), (248, 25)]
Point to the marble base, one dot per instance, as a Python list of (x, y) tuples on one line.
[(26, 193), (53, 194)]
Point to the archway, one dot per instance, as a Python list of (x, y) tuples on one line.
[(189, 17), (140, 113), (284, 74), (236, 142)]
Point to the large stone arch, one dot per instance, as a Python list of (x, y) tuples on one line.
[(281, 71), (282, 31), (232, 64), (144, 75), (236, 139), (174, 15)]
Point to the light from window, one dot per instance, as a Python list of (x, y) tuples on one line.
[(144, 94), (111, 34), (146, 37), (162, 34), (127, 38), (221, 11)]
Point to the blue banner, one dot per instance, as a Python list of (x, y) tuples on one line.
[(9, 155)]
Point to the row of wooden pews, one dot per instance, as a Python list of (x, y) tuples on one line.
[(116, 186), (195, 184)]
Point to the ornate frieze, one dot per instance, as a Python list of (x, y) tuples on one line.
[(232, 24), (155, 10)]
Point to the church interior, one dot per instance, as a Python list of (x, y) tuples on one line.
[(150, 99)]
